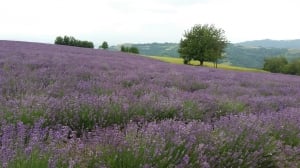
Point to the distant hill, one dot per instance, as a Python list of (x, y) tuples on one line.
[(154, 49), (236, 54), (251, 57), (294, 44)]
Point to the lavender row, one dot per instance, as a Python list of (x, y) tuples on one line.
[(61, 84), (102, 109), (267, 140)]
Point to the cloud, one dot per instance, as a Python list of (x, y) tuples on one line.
[(180, 2), (155, 20)]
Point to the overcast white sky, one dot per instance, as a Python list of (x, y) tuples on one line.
[(141, 21)]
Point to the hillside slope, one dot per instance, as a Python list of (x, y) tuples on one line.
[(153, 49), (267, 43), (64, 106), (236, 55)]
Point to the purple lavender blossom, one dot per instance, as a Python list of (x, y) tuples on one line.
[(101, 108)]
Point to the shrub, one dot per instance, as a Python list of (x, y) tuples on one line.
[(134, 50), (281, 65), (293, 68), (275, 64)]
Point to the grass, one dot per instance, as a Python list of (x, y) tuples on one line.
[(206, 64), (35, 160)]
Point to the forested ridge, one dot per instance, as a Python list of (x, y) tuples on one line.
[(235, 54)]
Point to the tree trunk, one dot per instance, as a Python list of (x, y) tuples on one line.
[(201, 62)]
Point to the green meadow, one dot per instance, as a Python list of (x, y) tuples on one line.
[(206, 64)]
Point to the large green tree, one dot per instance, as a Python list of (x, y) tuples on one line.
[(202, 43)]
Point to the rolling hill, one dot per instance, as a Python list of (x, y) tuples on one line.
[(63, 106), (153, 49), (267, 43), (248, 54)]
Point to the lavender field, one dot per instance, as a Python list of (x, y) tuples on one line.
[(64, 106)]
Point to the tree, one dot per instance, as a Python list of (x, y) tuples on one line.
[(124, 49), (104, 45), (293, 67), (59, 40), (66, 40), (71, 41), (134, 50), (276, 64), (202, 43)]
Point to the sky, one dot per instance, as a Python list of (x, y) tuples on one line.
[(146, 21)]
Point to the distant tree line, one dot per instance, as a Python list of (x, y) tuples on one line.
[(71, 41), (281, 65), (132, 49)]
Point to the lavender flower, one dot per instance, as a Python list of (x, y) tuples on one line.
[(100, 108)]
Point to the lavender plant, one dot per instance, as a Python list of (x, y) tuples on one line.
[(97, 108)]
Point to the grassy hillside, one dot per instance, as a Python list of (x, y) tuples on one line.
[(206, 64), (236, 55), (63, 106)]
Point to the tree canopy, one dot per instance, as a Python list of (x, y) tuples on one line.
[(202, 43), (281, 65), (131, 49), (104, 45), (275, 64), (71, 41)]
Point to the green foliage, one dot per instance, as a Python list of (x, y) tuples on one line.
[(125, 158), (191, 110), (186, 61), (26, 115), (71, 41), (134, 50), (281, 65), (123, 48), (275, 64), (235, 54), (59, 40), (131, 49), (159, 49), (267, 43), (172, 155), (30, 116), (202, 43), (207, 64), (34, 160), (194, 86), (293, 68), (252, 57), (115, 115), (104, 45), (229, 107), (224, 150), (288, 134), (144, 154)]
